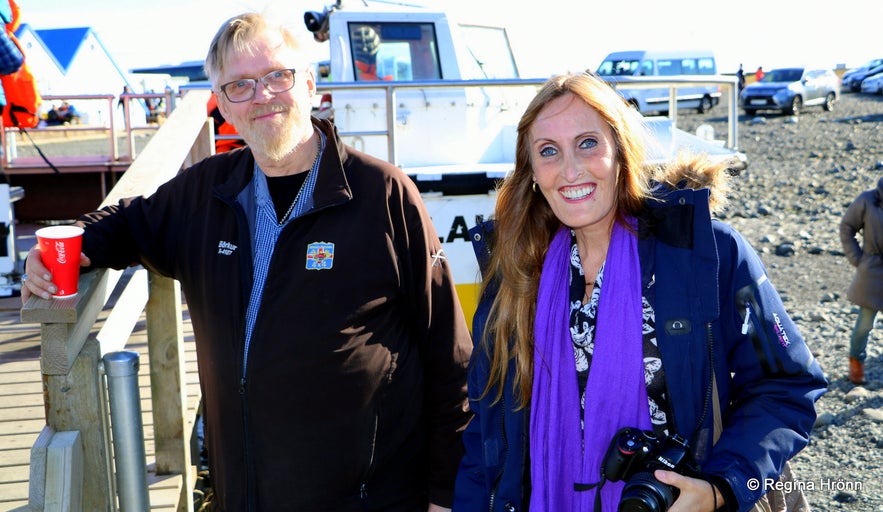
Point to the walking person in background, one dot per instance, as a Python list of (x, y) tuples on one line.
[(331, 345), (740, 75), (126, 91), (864, 215), (611, 301)]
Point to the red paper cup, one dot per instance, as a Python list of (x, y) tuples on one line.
[(60, 248)]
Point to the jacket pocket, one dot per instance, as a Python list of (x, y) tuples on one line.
[(755, 326)]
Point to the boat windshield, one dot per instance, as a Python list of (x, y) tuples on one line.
[(489, 53)]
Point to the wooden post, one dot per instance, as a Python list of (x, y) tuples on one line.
[(75, 402), (37, 469), (66, 323), (56, 472), (64, 473), (165, 346)]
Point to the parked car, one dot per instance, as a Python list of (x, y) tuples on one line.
[(789, 90), (663, 64), (852, 79), (873, 84)]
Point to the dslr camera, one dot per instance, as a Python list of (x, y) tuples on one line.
[(633, 455)]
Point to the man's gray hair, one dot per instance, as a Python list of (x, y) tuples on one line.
[(238, 35)]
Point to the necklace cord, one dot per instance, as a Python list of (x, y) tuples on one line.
[(304, 184)]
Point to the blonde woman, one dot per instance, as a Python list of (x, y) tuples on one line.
[(614, 301)]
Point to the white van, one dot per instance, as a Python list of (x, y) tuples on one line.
[(641, 63)]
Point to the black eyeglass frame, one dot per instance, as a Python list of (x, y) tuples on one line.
[(254, 84)]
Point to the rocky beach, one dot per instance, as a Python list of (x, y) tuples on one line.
[(803, 172)]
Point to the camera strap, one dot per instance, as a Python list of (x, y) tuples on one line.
[(716, 410), (578, 487)]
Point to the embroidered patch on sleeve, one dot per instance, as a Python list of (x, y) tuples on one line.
[(320, 256), (780, 332)]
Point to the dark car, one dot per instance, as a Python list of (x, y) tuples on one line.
[(789, 90), (852, 79)]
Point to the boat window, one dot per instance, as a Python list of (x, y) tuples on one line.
[(394, 51), (489, 55), (623, 67)]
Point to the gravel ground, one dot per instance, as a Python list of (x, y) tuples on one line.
[(803, 172)]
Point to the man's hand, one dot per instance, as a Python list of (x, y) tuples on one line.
[(37, 280), (436, 508)]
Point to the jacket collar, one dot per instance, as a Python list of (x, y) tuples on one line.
[(332, 186), (681, 219)]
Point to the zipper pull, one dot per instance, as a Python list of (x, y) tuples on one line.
[(363, 491), (747, 317), (242, 386)]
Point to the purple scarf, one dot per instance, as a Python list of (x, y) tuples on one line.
[(616, 394)]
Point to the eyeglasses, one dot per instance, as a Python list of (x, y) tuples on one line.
[(244, 89)]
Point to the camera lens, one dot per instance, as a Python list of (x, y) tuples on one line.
[(644, 493)]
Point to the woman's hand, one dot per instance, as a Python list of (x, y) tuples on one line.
[(696, 495)]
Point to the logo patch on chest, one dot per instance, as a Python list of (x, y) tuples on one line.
[(226, 248), (320, 256)]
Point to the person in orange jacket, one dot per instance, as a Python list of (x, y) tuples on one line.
[(222, 128), (366, 44)]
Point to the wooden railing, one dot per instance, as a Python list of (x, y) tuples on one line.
[(71, 461)]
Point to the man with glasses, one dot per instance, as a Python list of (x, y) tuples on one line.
[(331, 345)]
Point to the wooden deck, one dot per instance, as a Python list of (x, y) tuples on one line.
[(22, 414)]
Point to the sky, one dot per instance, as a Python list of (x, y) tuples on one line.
[(548, 36)]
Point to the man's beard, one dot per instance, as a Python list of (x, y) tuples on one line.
[(274, 139)]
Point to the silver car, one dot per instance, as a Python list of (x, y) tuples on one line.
[(789, 90)]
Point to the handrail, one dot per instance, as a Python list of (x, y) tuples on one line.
[(9, 149), (390, 89), (730, 84), (75, 397), (109, 128)]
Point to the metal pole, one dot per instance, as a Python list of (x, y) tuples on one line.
[(391, 117), (130, 135), (121, 369), (114, 151)]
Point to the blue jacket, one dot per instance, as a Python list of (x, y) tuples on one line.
[(708, 278)]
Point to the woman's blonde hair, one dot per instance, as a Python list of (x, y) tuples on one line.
[(525, 225)]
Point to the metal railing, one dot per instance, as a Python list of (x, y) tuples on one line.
[(168, 99), (391, 90), (730, 92), (729, 85), (106, 126)]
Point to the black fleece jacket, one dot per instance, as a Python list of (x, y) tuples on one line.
[(354, 392)]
